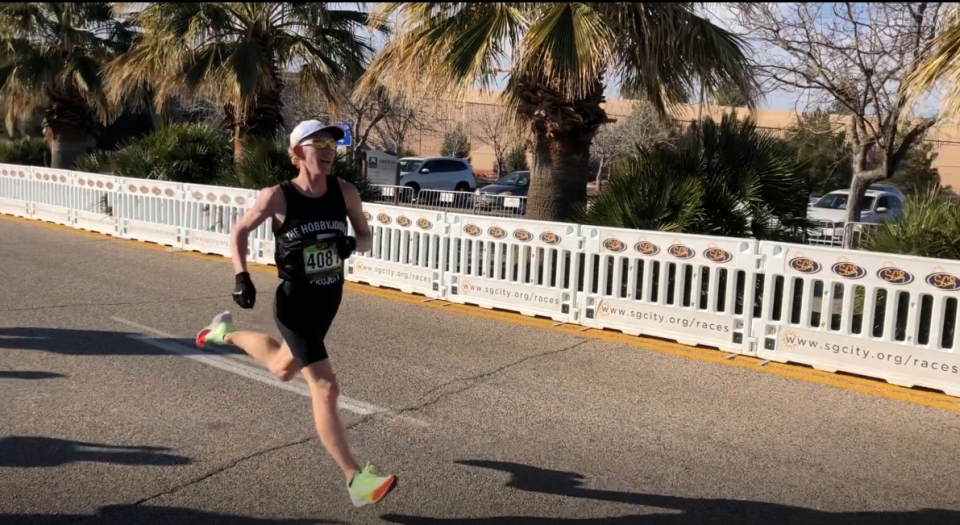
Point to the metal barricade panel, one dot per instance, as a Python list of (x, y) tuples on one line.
[(693, 289), (396, 195), (408, 250), (529, 267), (880, 315)]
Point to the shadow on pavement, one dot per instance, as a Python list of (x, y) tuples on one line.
[(27, 374), (692, 511), (93, 342), (149, 515), (38, 452)]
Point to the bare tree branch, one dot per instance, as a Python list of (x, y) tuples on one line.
[(493, 126), (641, 128), (853, 57)]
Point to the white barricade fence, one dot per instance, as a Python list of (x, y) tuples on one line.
[(14, 197), (51, 196), (94, 199), (408, 251), (886, 316), (209, 216), (152, 211), (879, 315), (529, 267), (689, 288)]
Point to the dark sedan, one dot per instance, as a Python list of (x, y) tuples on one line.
[(501, 195)]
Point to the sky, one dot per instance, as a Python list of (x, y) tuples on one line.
[(782, 98)]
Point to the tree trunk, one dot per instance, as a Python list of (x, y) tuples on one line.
[(858, 187), (561, 168), (67, 124), (65, 147), (563, 131), (262, 121)]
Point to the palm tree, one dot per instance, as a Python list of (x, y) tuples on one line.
[(558, 57), (237, 53), (51, 55)]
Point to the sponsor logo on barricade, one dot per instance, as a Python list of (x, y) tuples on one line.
[(403, 254), (648, 264), (846, 336), (513, 264)]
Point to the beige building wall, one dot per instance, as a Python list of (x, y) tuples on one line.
[(479, 114)]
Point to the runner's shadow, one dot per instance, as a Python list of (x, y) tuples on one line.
[(692, 511), (150, 515), (40, 452), (27, 374), (95, 342)]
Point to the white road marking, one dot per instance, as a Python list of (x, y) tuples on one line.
[(154, 337)]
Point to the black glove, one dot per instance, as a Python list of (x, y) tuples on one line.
[(346, 247), (244, 294)]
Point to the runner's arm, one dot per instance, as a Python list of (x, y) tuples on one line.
[(355, 214), (264, 208)]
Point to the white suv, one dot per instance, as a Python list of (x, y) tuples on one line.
[(436, 173)]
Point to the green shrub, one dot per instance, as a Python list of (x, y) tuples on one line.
[(25, 151), (189, 153), (726, 179), (260, 165)]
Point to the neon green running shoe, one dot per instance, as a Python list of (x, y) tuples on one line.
[(366, 487), (218, 329)]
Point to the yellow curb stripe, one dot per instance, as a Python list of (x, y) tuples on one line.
[(858, 384)]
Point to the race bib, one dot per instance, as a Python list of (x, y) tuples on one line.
[(321, 258)]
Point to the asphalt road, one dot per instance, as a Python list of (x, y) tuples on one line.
[(108, 414)]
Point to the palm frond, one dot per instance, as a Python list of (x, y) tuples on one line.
[(236, 53), (942, 64), (442, 47), (59, 48)]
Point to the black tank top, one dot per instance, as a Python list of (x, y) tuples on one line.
[(305, 249)]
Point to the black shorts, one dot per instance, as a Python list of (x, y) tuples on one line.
[(303, 314)]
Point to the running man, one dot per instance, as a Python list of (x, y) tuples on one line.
[(310, 225)]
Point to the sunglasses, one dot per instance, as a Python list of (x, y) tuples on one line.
[(320, 143)]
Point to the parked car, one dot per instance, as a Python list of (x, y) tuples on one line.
[(513, 184), (436, 173), (877, 205)]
